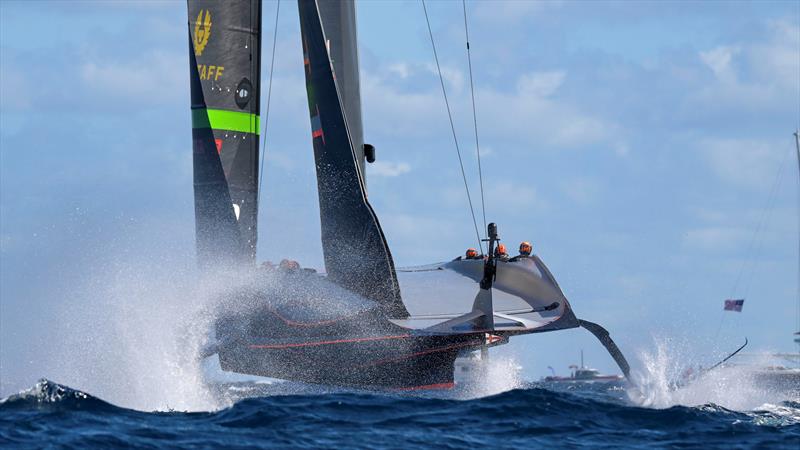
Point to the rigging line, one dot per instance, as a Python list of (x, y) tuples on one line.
[(474, 113), (764, 218), (269, 97), (453, 128), (751, 247), (754, 248)]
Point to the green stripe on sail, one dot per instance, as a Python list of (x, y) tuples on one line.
[(220, 119)]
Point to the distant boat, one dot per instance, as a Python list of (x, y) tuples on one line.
[(778, 376), (775, 375), (583, 374)]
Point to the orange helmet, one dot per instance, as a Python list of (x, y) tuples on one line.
[(501, 249), (525, 248), (471, 253), (288, 264)]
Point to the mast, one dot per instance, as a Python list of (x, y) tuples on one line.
[(797, 333), (225, 71), (357, 256)]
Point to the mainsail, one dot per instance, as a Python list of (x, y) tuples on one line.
[(225, 69), (339, 25), (356, 254)]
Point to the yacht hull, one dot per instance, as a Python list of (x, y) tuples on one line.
[(395, 361)]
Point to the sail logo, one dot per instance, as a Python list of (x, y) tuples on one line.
[(202, 31)]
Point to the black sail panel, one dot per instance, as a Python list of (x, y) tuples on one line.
[(339, 23), (356, 254), (225, 69)]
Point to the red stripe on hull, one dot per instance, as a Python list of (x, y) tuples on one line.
[(428, 387), (337, 341)]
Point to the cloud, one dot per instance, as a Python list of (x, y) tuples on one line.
[(755, 76), (540, 84), (532, 109), (443, 237), (777, 59), (511, 12), (747, 163), (453, 78), (400, 69), (717, 238), (508, 198), (387, 168), (153, 77), (15, 90), (719, 61)]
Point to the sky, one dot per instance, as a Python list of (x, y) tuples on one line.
[(644, 148)]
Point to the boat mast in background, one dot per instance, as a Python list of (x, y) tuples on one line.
[(797, 333)]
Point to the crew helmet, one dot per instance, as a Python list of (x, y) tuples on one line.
[(288, 264), (525, 248)]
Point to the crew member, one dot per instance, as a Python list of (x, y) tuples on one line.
[(501, 253), (471, 253), (289, 265), (525, 250)]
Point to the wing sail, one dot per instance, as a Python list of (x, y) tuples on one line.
[(356, 254), (339, 24)]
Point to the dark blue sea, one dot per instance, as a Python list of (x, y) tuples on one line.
[(50, 415)]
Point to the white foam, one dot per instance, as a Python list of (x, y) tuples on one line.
[(132, 337), (731, 386), (495, 375)]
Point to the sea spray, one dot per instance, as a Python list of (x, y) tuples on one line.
[(476, 378), (133, 326), (671, 375), (132, 333)]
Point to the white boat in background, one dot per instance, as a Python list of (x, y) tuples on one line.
[(583, 374), (778, 371)]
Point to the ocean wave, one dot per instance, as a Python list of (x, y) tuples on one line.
[(46, 394), (56, 414)]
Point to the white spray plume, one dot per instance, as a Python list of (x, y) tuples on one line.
[(735, 387)]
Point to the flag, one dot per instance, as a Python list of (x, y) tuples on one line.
[(734, 305)]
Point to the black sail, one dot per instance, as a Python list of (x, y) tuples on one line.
[(225, 69), (356, 254), (339, 23)]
